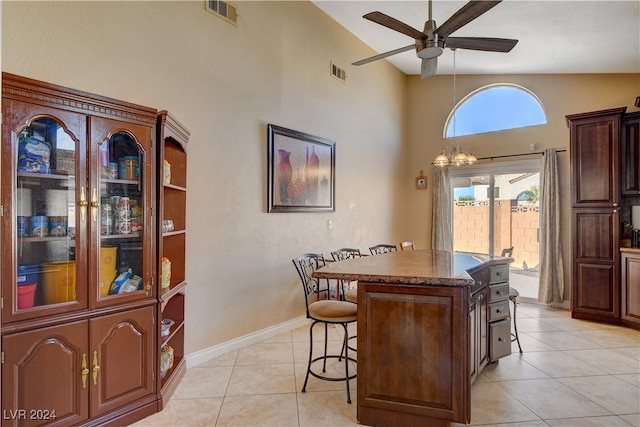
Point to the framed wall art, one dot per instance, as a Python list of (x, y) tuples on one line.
[(301, 170)]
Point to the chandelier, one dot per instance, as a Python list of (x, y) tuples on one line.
[(455, 155)]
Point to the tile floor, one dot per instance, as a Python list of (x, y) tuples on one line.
[(572, 373)]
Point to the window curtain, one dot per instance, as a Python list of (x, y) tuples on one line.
[(441, 230), (551, 287)]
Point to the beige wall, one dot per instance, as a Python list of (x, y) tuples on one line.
[(430, 101), (226, 83)]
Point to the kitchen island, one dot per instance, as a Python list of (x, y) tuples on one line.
[(425, 330)]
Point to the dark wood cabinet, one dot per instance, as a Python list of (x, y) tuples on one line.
[(630, 155), (172, 232), (79, 304), (595, 198), (630, 266), (43, 371), (594, 147), (413, 346), (77, 371)]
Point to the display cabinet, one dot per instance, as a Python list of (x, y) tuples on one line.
[(77, 254), (171, 199)]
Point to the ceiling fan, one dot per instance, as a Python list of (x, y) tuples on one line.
[(430, 43)]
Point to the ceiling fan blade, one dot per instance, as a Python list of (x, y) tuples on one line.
[(428, 67), (464, 15), (481, 43), (394, 24), (384, 55)]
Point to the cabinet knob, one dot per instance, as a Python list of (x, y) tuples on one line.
[(615, 205)]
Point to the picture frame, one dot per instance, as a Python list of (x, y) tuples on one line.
[(301, 171)]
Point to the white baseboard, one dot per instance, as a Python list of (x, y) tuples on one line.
[(201, 356), (566, 304)]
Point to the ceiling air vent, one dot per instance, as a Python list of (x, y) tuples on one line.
[(337, 72), (223, 9)]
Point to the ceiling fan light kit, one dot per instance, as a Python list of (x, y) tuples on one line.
[(456, 155), (431, 42)]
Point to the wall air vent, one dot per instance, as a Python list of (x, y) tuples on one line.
[(337, 72), (223, 9)]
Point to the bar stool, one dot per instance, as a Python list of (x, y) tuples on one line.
[(407, 246), (327, 312), (382, 248), (513, 297)]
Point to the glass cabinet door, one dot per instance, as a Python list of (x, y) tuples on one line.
[(119, 214), (47, 217)]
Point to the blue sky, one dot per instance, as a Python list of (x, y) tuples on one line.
[(496, 108)]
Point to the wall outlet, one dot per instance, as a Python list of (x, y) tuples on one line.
[(329, 224)]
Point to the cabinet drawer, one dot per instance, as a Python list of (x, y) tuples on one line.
[(500, 336), (499, 273), (498, 292), (498, 310)]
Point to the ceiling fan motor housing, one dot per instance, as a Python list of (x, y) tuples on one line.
[(430, 45)]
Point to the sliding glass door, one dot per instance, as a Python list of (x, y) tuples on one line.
[(496, 209)]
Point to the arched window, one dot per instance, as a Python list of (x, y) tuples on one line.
[(495, 107)]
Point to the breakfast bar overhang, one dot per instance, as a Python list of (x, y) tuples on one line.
[(421, 332)]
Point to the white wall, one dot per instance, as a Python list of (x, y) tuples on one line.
[(225, 84)]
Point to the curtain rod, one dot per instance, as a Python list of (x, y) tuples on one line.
[(518, 155)]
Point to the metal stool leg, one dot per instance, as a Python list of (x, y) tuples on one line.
[(346, 360), (325, 356), (515, 325)]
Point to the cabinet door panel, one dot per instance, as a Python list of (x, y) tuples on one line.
[(43, 372), (594, 150), (123, 347), (631, 287), (596, 234), (42, 228), (123, 229), (398, 366), (595, 290), (595, 278)]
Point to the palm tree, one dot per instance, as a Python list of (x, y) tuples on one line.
[(532, 195)]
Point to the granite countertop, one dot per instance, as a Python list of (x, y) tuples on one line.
[(629, 249), (420, 267)]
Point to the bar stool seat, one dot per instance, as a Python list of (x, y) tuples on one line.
[(513, 297)]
